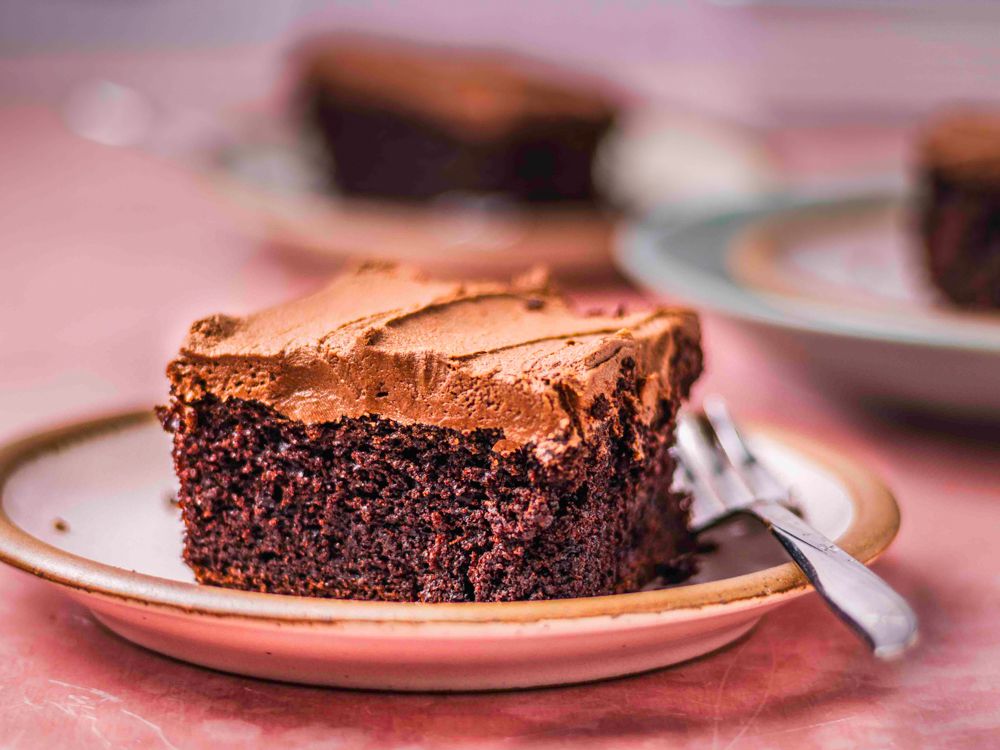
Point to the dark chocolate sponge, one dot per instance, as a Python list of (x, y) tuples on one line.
[(371, 509)]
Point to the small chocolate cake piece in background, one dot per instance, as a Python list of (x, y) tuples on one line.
[(959, 166), (397, 438), (404, 121)]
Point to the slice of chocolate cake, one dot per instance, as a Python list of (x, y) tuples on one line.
[(959, 163), (405, 121), (392, 437)]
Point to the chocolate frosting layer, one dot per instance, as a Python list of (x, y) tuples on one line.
[(384, 340)]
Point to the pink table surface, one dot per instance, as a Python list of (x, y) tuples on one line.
[(107, 254)]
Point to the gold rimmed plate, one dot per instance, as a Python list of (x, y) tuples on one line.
[(87, 507)]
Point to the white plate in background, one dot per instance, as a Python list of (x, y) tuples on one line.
[(833, 284)]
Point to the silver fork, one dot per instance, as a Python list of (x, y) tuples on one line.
[(726, 478)]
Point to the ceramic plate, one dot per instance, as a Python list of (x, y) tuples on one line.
[(88, 507), (271, 177), (835, 285), (263, 168)]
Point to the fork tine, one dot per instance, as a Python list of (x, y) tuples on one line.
[(757, 478), (728, 434), (704, 459), (707, 507)]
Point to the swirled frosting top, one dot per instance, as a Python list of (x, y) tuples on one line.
[(384, 340)]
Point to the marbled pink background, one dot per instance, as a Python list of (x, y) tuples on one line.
[(105, 256)]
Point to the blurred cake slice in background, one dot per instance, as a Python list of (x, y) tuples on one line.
[(406, 121), (959, 172), (470, 161)]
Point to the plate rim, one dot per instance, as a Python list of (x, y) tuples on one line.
[(638, 251), (873, 527), (292, 220)]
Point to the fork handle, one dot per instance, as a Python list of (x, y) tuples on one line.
[(858, 596)]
